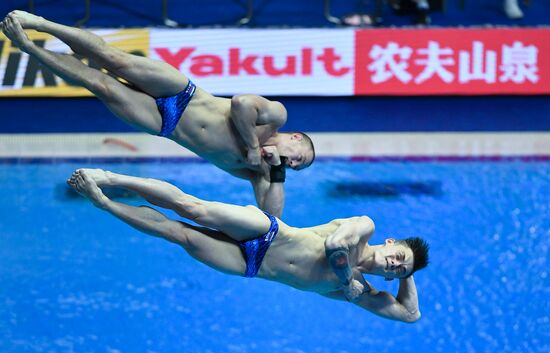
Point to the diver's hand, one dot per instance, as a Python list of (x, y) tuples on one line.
[(254, 156), (270, 155), (369, 288), (354, 290)]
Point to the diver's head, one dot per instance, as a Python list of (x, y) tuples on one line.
[(400, 258), (298, 148)]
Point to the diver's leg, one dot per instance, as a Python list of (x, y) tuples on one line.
[(156, 78), (133, 107), (207, 246), (238, 222)]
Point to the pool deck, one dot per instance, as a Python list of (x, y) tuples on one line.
[(328, 145)]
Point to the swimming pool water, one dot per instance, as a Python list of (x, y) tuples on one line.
[(75, 279)]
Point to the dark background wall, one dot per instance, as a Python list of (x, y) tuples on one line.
[(493, 113), (302, 13)]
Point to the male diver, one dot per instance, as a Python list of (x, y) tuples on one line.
[(328, 259)]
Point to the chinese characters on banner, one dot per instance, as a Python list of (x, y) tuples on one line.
[(452, 61), (316, 62)]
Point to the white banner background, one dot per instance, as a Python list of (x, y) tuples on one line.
[(279, 44)]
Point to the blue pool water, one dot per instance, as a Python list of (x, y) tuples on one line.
[(75, 279)]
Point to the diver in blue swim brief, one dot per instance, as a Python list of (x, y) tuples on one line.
[(329, 259), (171, 108), (254, 250)]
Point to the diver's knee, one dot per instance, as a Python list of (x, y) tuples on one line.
[(117, 59), (100, 85), (191, 209)]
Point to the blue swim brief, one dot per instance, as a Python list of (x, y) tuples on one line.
[(171, 108), (254, 249)]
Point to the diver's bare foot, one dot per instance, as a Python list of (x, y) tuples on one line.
[(87, 187), (13, 30), (99, 176), (26, 19)]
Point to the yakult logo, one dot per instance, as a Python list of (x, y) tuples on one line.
[(236, 63), (265, 62)]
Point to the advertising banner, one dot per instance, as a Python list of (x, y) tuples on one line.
[(452, 61), (265, 62), (316, 62)]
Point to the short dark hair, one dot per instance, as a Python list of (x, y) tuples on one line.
[(420, 250), (308, 140)]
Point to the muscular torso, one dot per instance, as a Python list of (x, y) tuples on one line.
[(297, 258), (206, 129)]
